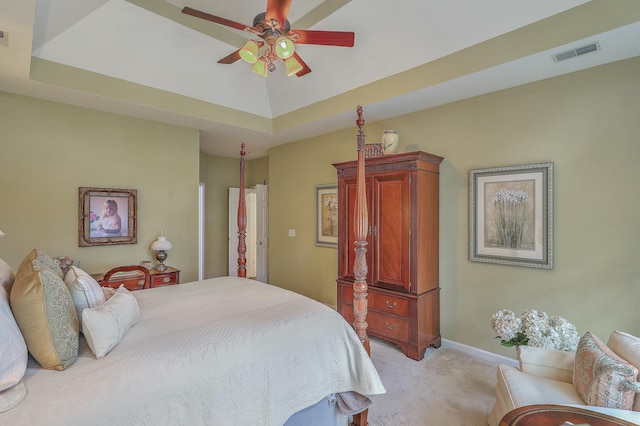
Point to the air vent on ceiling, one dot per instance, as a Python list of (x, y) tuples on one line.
[(3, 38), (592, 47)]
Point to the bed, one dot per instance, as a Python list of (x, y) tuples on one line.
[(222, 351)]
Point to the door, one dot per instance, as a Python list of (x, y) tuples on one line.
[(262, 233), (257, 232)]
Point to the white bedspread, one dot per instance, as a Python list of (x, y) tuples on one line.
[(225, 351)]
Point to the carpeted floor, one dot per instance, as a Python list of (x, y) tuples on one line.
[(446, 388)]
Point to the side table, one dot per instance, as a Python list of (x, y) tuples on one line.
[(135, 280), (557, 415)]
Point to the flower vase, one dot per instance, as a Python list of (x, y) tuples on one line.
[(390, 140)]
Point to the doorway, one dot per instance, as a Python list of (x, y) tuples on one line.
[(257, 232)]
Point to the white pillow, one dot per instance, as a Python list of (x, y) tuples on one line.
[(105, 325), (7, 276), (13, 356), (85, 291)]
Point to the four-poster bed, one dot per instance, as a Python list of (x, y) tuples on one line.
[(225, 350)]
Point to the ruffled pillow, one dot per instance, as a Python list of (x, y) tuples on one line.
[(105, 325)]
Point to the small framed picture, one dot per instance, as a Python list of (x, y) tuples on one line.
[(106, 216), (511, 215), (326, 215)]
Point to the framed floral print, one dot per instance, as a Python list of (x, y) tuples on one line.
[(326, 215), (511, 215)]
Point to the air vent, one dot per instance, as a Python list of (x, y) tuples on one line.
[(576, 52)]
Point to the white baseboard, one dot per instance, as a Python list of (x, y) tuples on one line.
[(480, 353)]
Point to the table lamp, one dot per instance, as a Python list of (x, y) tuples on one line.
[(161, 245)]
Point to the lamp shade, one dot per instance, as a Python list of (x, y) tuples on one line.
[(161, 244), (292, 66), (284, 47), (249, 52), (260, 68)]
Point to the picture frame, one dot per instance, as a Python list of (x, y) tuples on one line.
[(106, 216), (511, 215), (326, 215)]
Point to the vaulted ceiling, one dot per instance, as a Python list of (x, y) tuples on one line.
[(144, 58)]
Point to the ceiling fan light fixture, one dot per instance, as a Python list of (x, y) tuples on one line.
[(292, 66), (284, 47), (260, 68), (249, 52)]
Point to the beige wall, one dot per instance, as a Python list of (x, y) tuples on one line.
[(48, 150), (587, 123)]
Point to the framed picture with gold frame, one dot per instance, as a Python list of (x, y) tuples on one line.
[(106, 216), (326, 215)]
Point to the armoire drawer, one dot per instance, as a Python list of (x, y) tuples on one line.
[(383, 325), (381, 302)]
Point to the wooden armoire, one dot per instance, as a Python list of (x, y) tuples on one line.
[(402, 248)]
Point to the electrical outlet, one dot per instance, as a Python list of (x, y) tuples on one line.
[(292, 232)]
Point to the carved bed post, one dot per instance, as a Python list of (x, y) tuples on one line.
[(360, 269), (242, 221)]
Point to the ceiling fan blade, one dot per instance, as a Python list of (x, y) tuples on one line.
[(229, 59), (305, 68), (217, 19), (278, 9), (327, 38)]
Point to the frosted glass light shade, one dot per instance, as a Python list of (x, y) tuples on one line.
[(292, 66), (161, 244), (284, 47), (260, 68), (249, 52)]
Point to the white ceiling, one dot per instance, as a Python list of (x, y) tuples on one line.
[(408, 55)]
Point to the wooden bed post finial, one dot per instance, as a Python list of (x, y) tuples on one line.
[(361, 226), (360, 269), (242, 221)]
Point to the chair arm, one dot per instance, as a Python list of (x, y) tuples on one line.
[(141, 269), (549, 363)]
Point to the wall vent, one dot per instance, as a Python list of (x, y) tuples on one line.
[(576, 52)]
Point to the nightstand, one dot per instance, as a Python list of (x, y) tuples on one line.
[(135, 280)]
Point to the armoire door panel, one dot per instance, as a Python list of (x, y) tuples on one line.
[(391, 239)]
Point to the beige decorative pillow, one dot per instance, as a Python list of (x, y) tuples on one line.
[(6, 276), (85, 291), (44, 311), (601, 377), (105, 325)]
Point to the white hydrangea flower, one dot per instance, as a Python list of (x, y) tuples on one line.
[(535, 328)]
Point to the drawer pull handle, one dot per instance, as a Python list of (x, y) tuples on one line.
[(391, 305), (141, 283), (390, 326), (166, 279)]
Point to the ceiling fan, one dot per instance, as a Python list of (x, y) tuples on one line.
[(276, 39)]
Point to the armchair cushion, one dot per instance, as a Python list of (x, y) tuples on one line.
[(627, 347), (601, 377), (548, 363)]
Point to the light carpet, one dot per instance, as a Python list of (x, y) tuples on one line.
[(445, 388)]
